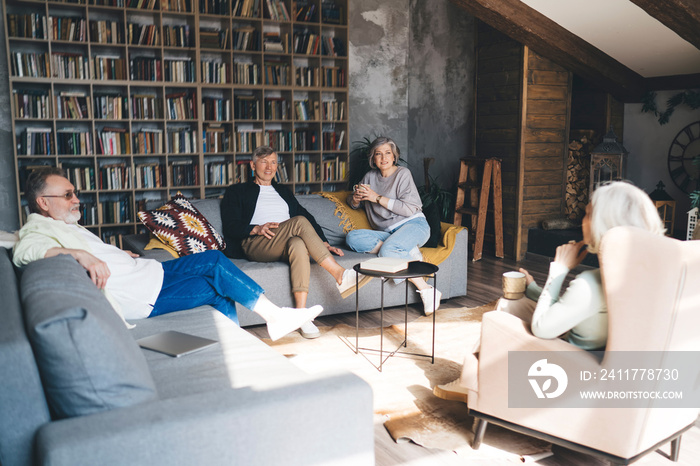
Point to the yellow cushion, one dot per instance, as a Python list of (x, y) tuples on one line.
[(350, 219), (155, 243)]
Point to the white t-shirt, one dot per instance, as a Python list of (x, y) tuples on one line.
[(134, 283), (270, 207)]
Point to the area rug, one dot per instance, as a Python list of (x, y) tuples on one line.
[(403, 396)]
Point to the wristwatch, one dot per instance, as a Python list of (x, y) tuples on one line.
[(378, 198)]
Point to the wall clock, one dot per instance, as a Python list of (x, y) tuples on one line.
[(684, 148)]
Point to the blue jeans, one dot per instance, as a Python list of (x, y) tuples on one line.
[(205, 278), (402, 242)]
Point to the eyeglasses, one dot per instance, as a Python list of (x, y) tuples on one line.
[(67, 196)]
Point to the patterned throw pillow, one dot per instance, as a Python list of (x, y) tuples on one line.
[(181, 226)]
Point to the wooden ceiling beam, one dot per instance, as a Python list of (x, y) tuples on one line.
[(547, 38), (675, 82), (680, 16)]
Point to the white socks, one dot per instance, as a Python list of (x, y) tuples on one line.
[(283, 320), (290, 319)]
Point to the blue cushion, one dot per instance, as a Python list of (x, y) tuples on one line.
[(87, 359)]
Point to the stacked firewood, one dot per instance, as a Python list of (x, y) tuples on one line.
[(577, 177)]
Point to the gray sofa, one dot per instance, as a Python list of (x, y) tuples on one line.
[(274, 276), (77, 390)]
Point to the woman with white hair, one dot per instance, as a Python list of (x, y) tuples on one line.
[(580, 314)]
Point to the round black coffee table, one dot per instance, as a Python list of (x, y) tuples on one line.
[(415, 269)]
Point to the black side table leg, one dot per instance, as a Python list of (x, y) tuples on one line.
[(432, 359), (405, 318), (381, 330), (357, 313)]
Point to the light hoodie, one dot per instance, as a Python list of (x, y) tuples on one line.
[(134, 283)]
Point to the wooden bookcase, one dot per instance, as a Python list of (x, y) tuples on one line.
[(140, 99)]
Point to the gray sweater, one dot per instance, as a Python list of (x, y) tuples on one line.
[(399, 188)]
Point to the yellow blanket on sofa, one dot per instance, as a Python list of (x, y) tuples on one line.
[(351, 219)]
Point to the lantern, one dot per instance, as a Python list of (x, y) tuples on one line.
[(692, 224), (666, 207), (607, 161)]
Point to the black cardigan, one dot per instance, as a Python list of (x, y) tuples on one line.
[(238, 207)]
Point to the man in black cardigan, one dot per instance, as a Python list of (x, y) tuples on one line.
[(264, 222)]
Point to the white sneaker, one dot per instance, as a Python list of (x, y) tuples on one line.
[(415, 254), (347, 286), (288, 319), (309, 330), (426, 296)]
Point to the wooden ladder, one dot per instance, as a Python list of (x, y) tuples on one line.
[(490, 172)]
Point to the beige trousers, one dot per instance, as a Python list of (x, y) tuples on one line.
[(294, 242)]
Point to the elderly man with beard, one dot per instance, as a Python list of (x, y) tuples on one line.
[(139, 288)]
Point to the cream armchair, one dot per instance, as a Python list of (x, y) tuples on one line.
[(652, 287)]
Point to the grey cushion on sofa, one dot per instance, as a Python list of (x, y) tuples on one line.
[(87, 359), (23, 407), (323, 210)]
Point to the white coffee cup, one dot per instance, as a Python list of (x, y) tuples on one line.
[(514, 284)]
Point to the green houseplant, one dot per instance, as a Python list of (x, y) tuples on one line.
[(695, 195), (433, 195)]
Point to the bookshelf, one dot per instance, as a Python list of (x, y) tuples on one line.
[(140, 99)]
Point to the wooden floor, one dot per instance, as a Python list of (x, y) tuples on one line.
[(484, 286)]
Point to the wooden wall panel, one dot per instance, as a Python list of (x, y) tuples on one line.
[(536, 164), (547, 77), (522, 114), (546, 192), (497, 135), (548, 92), (498, 94), (547, 108), (498, 119)]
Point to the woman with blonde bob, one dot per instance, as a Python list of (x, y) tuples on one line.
[(580, 314), (395, 212)]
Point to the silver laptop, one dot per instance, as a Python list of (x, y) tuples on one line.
[(175, 343)]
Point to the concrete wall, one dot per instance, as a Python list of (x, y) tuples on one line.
[(378, 52), (440, 89), (648, 144), (412, 79)]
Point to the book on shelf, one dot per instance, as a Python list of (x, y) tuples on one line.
[(213, 38), (214, 7), (304, 10), (246, 8), (177, 36), (246, 73), (274, 42), (106, 32), (331, 12), (244, 38), (31, 103), (181, 6), (277, 11), (384, 264), (31, 26)]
